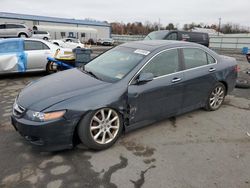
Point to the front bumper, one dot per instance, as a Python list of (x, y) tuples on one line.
[(50, 136)]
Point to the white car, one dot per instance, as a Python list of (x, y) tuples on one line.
[(27, 55), (15, 30), (68, 43), (106, 42), (45, 35)]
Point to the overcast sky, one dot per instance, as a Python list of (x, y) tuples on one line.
[(176, 11)]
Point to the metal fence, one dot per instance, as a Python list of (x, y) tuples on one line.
[(230, 42), (127, 38), (236, 43)]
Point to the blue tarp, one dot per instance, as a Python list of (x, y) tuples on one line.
[(15, 47)]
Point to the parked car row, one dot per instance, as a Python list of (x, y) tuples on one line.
[(11, 30)]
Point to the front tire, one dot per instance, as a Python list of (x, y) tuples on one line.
[(100, 129), (216, 97)]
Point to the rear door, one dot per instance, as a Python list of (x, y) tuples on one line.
[(160, 97), (37, 53), (11, 30), (199, 76)]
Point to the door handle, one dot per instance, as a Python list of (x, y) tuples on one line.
[(176, 80), (211, 69)]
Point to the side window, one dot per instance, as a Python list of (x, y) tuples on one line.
[(7, 47), (34, 45), (41, 32), (164, 63), (194, 57), (210, 59), (13, 26), (2, 26), (172, 36)]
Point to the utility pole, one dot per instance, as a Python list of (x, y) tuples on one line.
[(219, 26), (159, 24)]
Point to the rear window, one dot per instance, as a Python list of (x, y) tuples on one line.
[(156, 35), (40, 32)]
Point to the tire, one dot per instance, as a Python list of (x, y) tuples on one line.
[(49, 68), (91, 41), (23, 35), (56, 43), (45, 38), (242, 83), (216, 97), (103, 134)]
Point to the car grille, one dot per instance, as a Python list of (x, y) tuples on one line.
[(18, 110)]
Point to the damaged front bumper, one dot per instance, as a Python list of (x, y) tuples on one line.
[(49, 136)]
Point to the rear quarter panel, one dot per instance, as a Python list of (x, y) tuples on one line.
[(228, 71)]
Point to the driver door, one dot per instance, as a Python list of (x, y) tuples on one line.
[(160, 98)]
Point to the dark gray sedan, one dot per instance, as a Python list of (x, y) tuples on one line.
[(129, 86)]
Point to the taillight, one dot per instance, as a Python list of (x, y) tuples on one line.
[(237, 68), (248, 57), (30, 30)]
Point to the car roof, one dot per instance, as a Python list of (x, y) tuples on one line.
[(11, 40), (151, 45)]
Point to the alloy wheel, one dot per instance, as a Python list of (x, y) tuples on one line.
[(104, 126), (217, 97)]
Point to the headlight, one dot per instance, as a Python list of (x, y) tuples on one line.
[(40, 116)]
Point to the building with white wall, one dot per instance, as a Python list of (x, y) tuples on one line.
[(103, 28)]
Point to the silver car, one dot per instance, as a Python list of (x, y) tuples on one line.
[(45, 35), (26, 55), (14, 30)]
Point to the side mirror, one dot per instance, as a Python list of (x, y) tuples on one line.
[(145, 77)]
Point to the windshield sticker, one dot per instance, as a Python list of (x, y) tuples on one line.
[(142, 52)]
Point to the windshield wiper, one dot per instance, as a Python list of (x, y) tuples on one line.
[(91, 74)]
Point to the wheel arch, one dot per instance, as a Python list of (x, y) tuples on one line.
[(225, 84), (22, 33)]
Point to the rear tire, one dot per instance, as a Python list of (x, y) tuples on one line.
[(23, 35), (45, 38), (100, 129), (216, 97), (49, 68)]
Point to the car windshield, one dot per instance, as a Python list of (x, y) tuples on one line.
[(115, 64), (156, 35)]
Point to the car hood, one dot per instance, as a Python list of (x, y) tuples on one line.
[(58, 87)]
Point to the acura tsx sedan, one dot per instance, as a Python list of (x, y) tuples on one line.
[(127, 87)]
